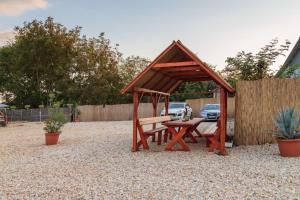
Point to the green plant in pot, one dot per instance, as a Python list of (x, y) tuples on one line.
[(287, 132), (54, 124)]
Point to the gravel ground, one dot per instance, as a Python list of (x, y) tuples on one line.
[(93, 161)]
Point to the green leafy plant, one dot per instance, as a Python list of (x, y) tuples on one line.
[(27, 107), (13, 107), (55, 122), (287, 124), (56, 118)]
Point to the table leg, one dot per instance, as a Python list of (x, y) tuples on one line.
[(190, 135), (177, 139), (197, 132)]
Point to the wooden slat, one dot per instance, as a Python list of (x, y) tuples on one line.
[(152, 120), (180, 69), (188, 73), (196, 79), (174, 86), (208, 129), (175, 64), (150, 91)]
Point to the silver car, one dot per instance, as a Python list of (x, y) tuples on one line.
[(210, 112), (176, 110)]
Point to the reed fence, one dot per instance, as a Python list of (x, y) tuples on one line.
[(256, 104)]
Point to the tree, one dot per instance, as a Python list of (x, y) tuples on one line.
[(47, 58), (96, 72), (38, 61), (131, 67), (249, 66)]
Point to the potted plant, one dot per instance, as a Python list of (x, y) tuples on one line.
[(54, 124), (287, 132)]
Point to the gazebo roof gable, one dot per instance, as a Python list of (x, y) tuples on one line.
[(174, 66)]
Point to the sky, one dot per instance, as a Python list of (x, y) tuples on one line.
[(213, 29)]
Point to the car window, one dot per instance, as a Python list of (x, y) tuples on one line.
[(176, 105), (212, 107)]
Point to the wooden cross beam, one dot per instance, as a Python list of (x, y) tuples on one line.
[(144, 90), (175, 64)]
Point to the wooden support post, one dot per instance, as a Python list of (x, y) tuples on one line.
[(154, 106), (223, 109), (166, 105), (154, 112), (166, 114), (135, 118)]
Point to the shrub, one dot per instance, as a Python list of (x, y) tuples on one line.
[(287, 124), (55, 122), (27, 107), (56, 118)]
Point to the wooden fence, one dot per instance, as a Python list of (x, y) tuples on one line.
[(117, 112), (256, 104), (124, 111)]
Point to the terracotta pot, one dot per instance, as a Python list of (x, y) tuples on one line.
[(51, 138), (289, 148)]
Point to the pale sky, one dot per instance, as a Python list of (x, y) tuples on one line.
[(213, 29)]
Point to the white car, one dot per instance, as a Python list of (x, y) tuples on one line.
[(177, 109)]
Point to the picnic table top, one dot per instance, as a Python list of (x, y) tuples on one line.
[(180, 123)]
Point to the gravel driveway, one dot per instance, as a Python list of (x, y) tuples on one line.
[(93, 161)]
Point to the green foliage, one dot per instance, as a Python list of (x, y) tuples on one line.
[(194, 91), (55, 122), (47, 58), (287, 124), (56, 118), (289, 72), (131, 67), (249, 66), (27, 107)]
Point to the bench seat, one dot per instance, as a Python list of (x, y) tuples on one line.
[(153, 131), (211, 133), (144, 135)]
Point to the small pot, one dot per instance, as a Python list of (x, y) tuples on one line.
[(51, 138), (289, 147)]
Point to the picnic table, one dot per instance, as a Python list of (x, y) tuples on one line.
[(184, 128)]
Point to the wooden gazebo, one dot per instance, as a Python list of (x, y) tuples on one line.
[(174, 66)]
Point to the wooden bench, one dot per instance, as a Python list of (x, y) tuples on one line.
[(144, 135), (212, 135)]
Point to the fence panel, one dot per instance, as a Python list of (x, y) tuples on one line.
[(117, 112), (34, 115), (256, 104)]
